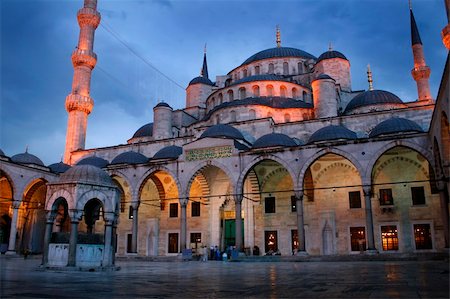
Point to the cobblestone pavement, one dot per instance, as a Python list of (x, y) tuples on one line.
[(144, 279)]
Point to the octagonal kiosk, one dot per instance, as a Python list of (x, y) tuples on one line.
[(82, 213)]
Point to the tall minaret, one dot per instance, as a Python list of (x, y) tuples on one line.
[(421, 72), (79, 103)]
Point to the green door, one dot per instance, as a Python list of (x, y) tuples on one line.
[(230, 232)]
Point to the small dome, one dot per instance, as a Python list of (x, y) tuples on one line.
[(201, 80), (168, 152), (162, 104), (59, 167), (278, 52), (373, 97), (272, 140), (332, 133), (2, 153), (267, 77), (26, 158), (95, 161), (330, 55), (222, 131), (323, 77), (395, 125), (129, 158), (144, 131), (86, 174)]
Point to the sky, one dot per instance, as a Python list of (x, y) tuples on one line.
[(140, 39)]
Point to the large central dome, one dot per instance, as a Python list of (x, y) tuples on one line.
[(278, 53)]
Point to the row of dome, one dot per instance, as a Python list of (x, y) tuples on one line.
[(328, 133)]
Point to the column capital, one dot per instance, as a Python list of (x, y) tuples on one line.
[(109, 217), (75, 215), (238, 198), (16, 204), (184, 201), (298, 194), (135, 205), (50, 216), (367, 190), (440, 185)]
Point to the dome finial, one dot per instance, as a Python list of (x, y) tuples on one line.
[(278, 37), (369, 77), (410, 4), (330, 46), (204, 49), (26, 149)]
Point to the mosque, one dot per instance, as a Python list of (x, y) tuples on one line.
[(279, 154)]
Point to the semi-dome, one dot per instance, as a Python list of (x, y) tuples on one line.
[(162, 104), (27, 158), (144, 131), (272, 140), (94, 161), (332, 133), (86, 174), (278, 52), (267, 77), (395, 125), (59, 167), (373, 97), (169, 152), (330, 55), (222, 131), (201, 80), (130, 157)]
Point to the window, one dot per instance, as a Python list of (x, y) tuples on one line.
[(257, 70), (271, 241), (269, 90), (230, 95), (220, 98), (285, 68), (293, 204), (269, 203), (173, 210), (217, 119), (196, 238), (271, 68), (244, 73), (294, 93), (255, 91), (195, 209), (242, 93), (422, 236), (130, 213), (173, 243), (300, 67), (389, 237), (129, 241), (418, 195), (252, 114), (294, 239), (354, 198), (386, 197), (233, 116), (358, 238), (283, 91)]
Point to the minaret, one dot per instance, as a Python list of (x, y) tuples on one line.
[(79, 103), (278, 36), (421, 72), (369, 77), (204, 72)]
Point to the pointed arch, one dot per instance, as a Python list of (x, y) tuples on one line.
[(60, 193), (140, 184)]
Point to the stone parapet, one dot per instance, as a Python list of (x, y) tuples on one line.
[(84, 57), (421, 72), (88, 17), (79, 102)]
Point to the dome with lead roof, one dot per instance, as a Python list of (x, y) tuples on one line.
[(332, 133), (95, 161), (278, 52), (129, 157), (273, 140), (372, 97), (169, 152), (59, 167), (395, 125), (27, 158), (87, 174), (222, 131)]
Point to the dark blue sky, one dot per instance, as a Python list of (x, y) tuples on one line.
[(38, 36)]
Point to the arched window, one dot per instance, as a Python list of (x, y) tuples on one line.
[(287, 117), (300, 68), (220, 98), (212, 103), (228, 82), (252, 114), (269, 90), (245, 73), (242, 93), (283, 91), (305, 96), (255, 89), (235, 77), (257, 70), (230, 95), (232, 116), (217, 119), (271, 68), (285, 68), (294, 93)]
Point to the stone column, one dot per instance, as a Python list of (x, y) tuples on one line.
[(114, 242), (75, 217), (238, 208), (183, 223), (48, 235), (369, 220), (107, 252), (13, 231), (134, 235), (443, 196), (300, 223)]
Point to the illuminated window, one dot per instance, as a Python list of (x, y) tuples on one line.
[(255, 89), (269, 90), (271, 68), (196, 238), (257, 71), (130, 213), (271, 241), (358, 238), (195, 209), (418, 195), (294, 239), (283, 91), (294, 93), (354, 198), (242, 93), (173, 243), (293, 204), (389, 237), (300, 68), (285, 68), (173, 210), (269, 203), (422, 236), (386, 197)]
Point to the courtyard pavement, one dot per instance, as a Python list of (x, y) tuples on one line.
[(21, 278)]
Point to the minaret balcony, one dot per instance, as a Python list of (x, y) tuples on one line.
[(84, 57), (446, 36), (79, 102), (421, 72), (88, 16)]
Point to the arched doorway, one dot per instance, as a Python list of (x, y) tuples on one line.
[(6, 197)]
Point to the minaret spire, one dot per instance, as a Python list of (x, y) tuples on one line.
[(421, 72), (79, 102), (204, 71), (369, 77), (278, 37)]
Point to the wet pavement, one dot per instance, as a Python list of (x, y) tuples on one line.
[(21, 278)]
